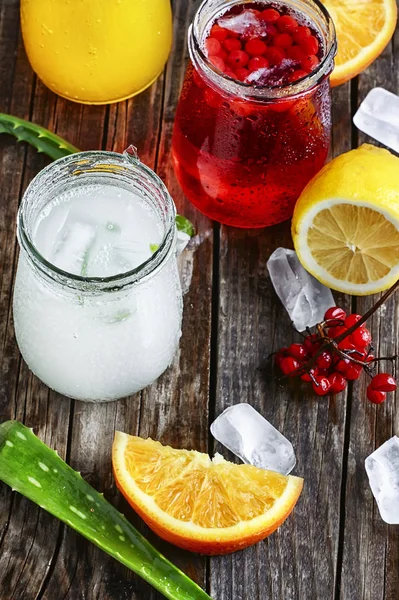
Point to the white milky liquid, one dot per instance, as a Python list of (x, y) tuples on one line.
[(97, 346)]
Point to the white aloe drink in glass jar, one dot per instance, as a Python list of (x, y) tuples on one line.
[(97, 299)]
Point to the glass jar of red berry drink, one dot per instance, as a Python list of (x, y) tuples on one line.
[(254, 117)]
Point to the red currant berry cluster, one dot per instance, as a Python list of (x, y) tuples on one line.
[(285, 44), (339, 352)]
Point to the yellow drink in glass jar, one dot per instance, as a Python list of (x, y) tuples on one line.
[(97, 51)]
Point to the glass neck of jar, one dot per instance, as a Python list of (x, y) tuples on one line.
[(119, 170), (210, 10)]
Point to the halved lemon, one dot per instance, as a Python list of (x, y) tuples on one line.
[(363, 31), (345, 225), (202, 505)]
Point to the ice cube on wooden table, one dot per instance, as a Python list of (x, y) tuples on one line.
[(304, 298), (382, 468), (244, 431), (378, 117)]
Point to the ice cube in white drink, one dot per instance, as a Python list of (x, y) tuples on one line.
[(97, 231), (94, 346)]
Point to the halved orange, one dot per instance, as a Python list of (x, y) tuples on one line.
[(363, 31), (203, 505)]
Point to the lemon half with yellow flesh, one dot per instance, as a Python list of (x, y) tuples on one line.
[(345, 225)]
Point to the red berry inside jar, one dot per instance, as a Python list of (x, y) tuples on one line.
[(289, 45)]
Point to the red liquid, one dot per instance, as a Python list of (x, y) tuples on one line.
[(244, 163)]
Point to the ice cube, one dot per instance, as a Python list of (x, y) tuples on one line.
[(244, 23), (378, 117), (382, 468), (254, 440), (304, 298), (272, 76), (72, 246), (108, 259), (259, 76)]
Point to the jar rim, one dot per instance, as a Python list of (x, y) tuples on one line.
[(251, 91), (96, 161)]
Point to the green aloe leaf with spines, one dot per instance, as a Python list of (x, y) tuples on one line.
[(42, 139)]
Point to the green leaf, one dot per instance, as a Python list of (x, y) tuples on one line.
[(185, 225), (154, 247), (39, 137)]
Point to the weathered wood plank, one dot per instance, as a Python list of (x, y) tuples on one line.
[(370, 569), (28, 536), (300, 559)]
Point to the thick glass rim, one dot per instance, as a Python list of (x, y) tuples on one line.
[(96, 162), (251, 91)]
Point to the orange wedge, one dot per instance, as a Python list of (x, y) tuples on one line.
[(363, 31), (202, 505)]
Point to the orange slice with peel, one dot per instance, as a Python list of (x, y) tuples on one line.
[(203, 505), (363, 31)]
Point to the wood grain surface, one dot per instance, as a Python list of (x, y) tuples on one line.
[(334, 546)]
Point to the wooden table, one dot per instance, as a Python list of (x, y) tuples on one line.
[(335, 545)]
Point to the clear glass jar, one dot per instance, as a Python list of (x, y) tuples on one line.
[(92, 338), (243, 153)]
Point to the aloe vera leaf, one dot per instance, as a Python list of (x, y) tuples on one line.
[(39, 137), (31, 468), (56, 147)]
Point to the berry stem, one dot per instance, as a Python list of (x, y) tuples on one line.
[(391, 358), (368, 314)]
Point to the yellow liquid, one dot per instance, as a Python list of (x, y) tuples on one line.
[(97, 51)]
